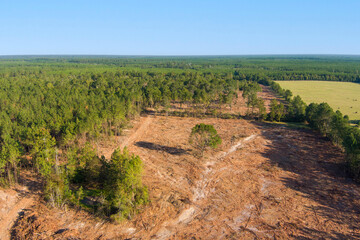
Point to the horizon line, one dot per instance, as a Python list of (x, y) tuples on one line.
[(180, 55)]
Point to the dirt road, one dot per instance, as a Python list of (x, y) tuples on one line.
[(107, 147), (140, 131), (9, 217)]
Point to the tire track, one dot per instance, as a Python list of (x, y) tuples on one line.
[(199, 193), (8, 221), (141, 130)]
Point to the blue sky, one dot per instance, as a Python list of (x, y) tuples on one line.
[(172, 27)]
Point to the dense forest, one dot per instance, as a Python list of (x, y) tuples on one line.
[(278, 67), (53, 108)]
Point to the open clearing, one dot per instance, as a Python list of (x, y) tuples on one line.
[(272, 182), (343, 96), (265, 181)]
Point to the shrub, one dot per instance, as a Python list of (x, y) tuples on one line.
[(203, 136)]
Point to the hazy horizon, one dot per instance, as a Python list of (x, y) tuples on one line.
[(179, 55)]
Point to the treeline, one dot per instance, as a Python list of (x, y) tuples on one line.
[(293, 111), (301, 67), (105, 187), (45, 117), (47, 109), (91, 104), (336, 127), (324, 119), (342, 77)]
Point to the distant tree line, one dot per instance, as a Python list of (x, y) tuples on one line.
[(48, 104), (343, 77), (311, 67), (324, 119)]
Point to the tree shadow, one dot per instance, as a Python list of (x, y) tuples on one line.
[(14, 228), (158, 147), (310, 234), (320, 175), (28, 184)]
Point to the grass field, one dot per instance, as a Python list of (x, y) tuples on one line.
[(344, 96)]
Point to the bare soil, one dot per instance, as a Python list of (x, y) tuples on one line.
[(265, 181), (14, 202)]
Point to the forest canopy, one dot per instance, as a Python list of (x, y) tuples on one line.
[(47, 104)]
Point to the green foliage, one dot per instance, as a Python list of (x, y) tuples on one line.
[(123, 188), (351, 142), (9, 158), (296, 110), (50, 103), (261, 109), (276, 111), (117, 182), (288, 94), (43, 150), (57, 191), (337, 128), (87, 166), (79, 195), (320, 117), (250, 90), (203, 136)]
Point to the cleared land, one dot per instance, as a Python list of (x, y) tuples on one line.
[(265, 181), (343, 96)]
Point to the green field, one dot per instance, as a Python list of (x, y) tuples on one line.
[(344, 96)]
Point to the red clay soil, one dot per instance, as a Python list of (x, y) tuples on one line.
[(265, 181), (13, 202)]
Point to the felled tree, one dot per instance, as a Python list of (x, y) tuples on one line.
[(203, 136)]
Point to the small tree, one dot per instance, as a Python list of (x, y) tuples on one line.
[(277, 111), (43, 151), (9, 158), (203, 136), (123, 187), (288, 94), (296, 110), (250, 91), (273, 109), (280, 112), (262, 109)]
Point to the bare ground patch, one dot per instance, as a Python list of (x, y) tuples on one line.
[(265, 181)]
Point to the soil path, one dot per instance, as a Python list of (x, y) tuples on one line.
[(141, 130), (200, 192), (107, 148), (9, 219)]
